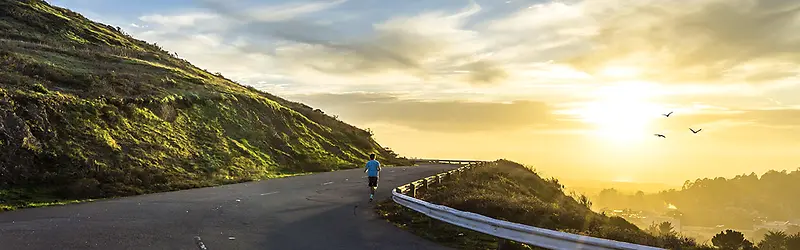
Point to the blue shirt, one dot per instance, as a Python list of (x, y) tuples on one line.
[(373, 167)]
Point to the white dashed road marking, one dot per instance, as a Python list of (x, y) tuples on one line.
[(269, 193), (327, 183), (199, 243)]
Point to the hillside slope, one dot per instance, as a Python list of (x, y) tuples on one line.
[(512, 192), (86, 111)]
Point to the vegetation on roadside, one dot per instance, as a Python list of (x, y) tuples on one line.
[(513, 192), (87, 112)]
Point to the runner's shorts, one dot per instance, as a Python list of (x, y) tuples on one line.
[(373, 181)]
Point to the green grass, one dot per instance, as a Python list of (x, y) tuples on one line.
[(89, 112), (34, 204), (26, 198), (512, 192), (13, 199)]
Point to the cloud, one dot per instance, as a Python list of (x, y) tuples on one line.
[(480, 72), (774, 117), (707, 41), (741, 121), (536, 51), (270, 13), (178, 21), (441, 116), (237, 21), (430, 45), (291, 10)]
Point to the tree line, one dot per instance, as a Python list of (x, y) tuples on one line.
[(740, 202), (735, 240)]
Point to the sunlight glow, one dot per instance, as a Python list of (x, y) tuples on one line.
[(622, 113), (670, 206), (623, 179), (620, 71)]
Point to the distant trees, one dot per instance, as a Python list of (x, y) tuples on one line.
[(739, 202), (731, 240), (773, 241), (639, 197), (793, 241)]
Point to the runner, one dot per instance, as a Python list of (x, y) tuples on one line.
[(372, 169)]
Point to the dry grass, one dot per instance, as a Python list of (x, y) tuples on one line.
[(512, 192)]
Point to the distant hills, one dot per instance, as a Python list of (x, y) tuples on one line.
[(592, 187), (744, 201)]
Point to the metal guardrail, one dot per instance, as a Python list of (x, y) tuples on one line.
[(440, 161), (411, 188), (535, 236)]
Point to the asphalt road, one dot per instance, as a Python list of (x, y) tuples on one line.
[(320, 211)]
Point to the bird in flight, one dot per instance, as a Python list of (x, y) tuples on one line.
[(667, 114), (695, 131), (660, 135)]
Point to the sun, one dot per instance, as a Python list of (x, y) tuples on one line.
[(621, 113)]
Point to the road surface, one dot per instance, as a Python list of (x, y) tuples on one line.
[(320, 211)]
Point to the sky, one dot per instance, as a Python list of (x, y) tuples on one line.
[(574, 88)]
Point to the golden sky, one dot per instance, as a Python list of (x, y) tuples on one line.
[(574, 88)]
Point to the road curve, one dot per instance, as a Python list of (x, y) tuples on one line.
[(320, 211)]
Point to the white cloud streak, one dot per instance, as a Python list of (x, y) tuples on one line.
[(289, 11)]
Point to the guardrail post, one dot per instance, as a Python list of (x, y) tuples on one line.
[(413, 190), (425, 183), (502, 244)]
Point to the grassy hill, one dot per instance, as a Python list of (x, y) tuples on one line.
[(512, 192), (87, 111)]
